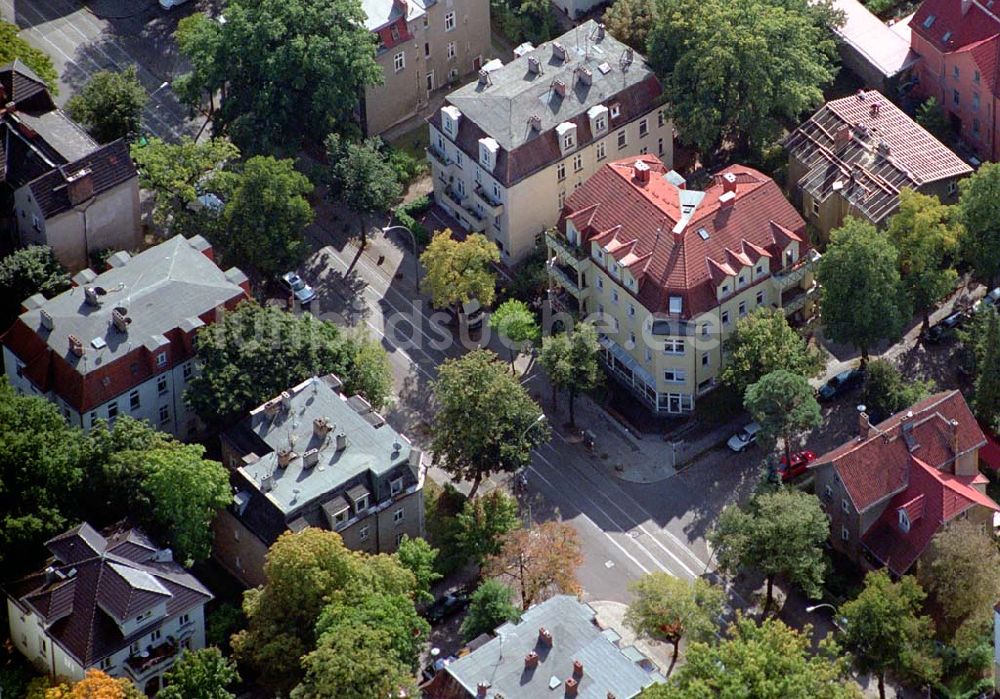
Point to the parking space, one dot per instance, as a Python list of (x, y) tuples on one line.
[(83, 39)]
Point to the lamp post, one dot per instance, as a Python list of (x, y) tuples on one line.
[(416, 257), (837, 620), (537, 421), (164, 84)]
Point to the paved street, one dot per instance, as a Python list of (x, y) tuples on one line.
[(109, 35)]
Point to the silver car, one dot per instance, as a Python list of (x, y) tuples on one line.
[(745, 438)]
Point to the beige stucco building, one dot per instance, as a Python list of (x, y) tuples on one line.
[(507, 150), (313, 457), (424, 45), (665, 272)]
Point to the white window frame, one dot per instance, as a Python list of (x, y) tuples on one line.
[(161, 359), (673, 345), (845, 506), (601, 151), (561, 171), (578, 162), (622, 139), (396, 486), (162, 387), (449, 22), (397, 516), (674, 375), (452, 50), (164, 414), (399, 61), (643, 128)]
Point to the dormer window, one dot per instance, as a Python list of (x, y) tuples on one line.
[(743, 280), (725, 289), (601, 123), (488, 149), (676, 304), (904, 521), (616, 111), (394, 31), (929, 22), (449, 120)]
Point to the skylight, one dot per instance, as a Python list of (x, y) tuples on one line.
[(946, 37), (929, 22), (703, 233)]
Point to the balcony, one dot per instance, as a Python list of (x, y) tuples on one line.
[(140, 666), (793, 276), (567, 279), (795, 299), (454, 199), (567, 254), (494, 208), (436, 157)]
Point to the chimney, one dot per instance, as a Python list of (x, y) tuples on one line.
[(76, 345), (558, 51), (954, 437), (47, 321), (534, 67), (842, 137), (586, 76), (884, 148), (572, 687), (535, 122), (600, 31), (481, 690), (560, 88), (310, 458), (641, 172), (80, 187), (545, 637), (266, 483), (577, 669), (531, 661), (341, 441), (285, 456), (286, 400), (727, 199), (321, 427), (119, 316), (864, 424), (874, 110), (729, 183), (272, 407), (90, 296)]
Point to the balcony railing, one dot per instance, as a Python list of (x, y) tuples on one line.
[(568, 281), (457, 202), (435, 155), (139, 666), (572, 256), (787, 278), (794, 300), (494, 207)]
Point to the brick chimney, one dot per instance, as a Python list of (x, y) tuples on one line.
[(76, 345), (864, 424), (842, 137), (954, 437), (577, 669), (572, 687), (641, 172), (729, 183), (545, 637), (80, 186), (531, 661), (481, 690)]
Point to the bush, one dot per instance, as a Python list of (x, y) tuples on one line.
[(221, 624), (406, 167), (441, 508), (405, 215)]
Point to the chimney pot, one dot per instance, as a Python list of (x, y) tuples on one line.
[(560, 88), (954, 437), (641, 172), (572, 687), (285, 456), (864, 424), (531, 660), (76, 345), (728, 183), (534, 66), (321, 427), (481, 689), (79, 187), (545, 637), (341, 441), (577, 669)]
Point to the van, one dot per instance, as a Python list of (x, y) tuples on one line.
[(745, 438)]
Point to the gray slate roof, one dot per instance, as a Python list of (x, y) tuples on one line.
[(502, 107), (575, 636)]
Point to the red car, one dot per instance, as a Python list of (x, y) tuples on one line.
[(800, 461)]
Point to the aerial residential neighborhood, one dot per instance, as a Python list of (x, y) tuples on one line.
[(520, 349)]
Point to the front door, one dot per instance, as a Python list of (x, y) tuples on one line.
[(477, 63)]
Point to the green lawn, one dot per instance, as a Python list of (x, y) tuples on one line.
[(413, 142)]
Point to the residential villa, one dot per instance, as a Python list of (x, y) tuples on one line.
[(891, 488), (423, 45), (669, 270), (557, 649), (854, 156), (508, 150), (58, 187), (122, 342), (314, 457), (114, 602), (959, 45)]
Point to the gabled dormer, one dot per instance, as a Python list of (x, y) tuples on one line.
[(566, 133), (598, 116), (450, 117), (488, 150)]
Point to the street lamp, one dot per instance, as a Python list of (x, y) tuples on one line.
[(537, 421), (164, 84), (416, 257), (814, 607)]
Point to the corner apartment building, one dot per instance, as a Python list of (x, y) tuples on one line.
[(423, 45), (508, 150), (854, 155), (314, 457), (114, 602), (666, 271), (122, 342), (959, 45)]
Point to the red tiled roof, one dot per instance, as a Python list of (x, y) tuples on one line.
[(985, 54), (976, 24), (614, 209), (877, 467)]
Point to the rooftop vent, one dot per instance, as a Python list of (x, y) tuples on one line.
[(341, 441), (119, 316), (286, 400), (559, 87), (47, 322), (875, 109), (91, 294), (285, 456), (599, 32), (558, 51), (585, 75), (76, 345), (534, 67), (321, 427), (484, 77), (310, 458)]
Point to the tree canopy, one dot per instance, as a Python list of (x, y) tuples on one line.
[(490, 606), (763, 342), (95, 685), (362, 176), (286, 69), (779, 533), (516, 324), (418, 557), (110, 105), (541, 561), (887, 392), (735, 71), (483, 523), (987, 394), (369, 371), (200, 674), (571, 359), (863, 299), (13, 47), (765, 661), (630, 21), (460, 270), (486, 420), (26, 272), (979, 214), (783, 405)]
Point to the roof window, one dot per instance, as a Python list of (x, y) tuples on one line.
[(929, 22), (946, 38), (703, 233)]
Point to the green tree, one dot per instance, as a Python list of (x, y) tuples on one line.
[(482, 524), (979, 214), (200, 674), (884, 631), (763, 661), (630, 21), (418, 557), (369, 371), (266, 215), (887, 392), (516, 324), (26, 272), (110, 105), (666, 608), (363, 177), (987, 396), (14, 47), (460, 270), (783, 404), (96, 685), (763, 342), (779, 533), (486, 420), (931, 116), (926, 240), (177, 173), (863, 300), (237, 359), (734, 72), (200, 39), (186, 491), (571, 359), (490, 606), (304, 572), (286, 69)]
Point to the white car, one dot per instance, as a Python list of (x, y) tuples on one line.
[(171, 4), (745, 438)]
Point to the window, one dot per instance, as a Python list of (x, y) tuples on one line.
[(614, 296), (952, 188), (815, 207), (705, 360), (161, 385), (975, 101), (577, 162), (427, 50), (600, 123), (649, 355), (929, 22), (133, 400), (35, 223), (743, 280), (660, 119), (743, 308), (954, 72), (236, 534), (643, 127), (904, 520), (956, 98), (459, 161), (93, 418), (155, 636), (600, 284), (341, 517), (601, 154), (449, 22), (622, 139), (399, 61), (451, 50), (112, 410), (562, 199), (616, 109), (164, 414), (161, 359), (427, 21), (496, 191), (760, 298), (399, 538), (676, 304), (363, 532), (725, 317), (659, 146), (187, 371), (631, 340), (395, 486), (674, 375), (845, 534), (946, 38), (568, 141), (975, 77), (106, 663), (845, 506), (760, 270), (394, 32), (725, 289), (397, 516), (828, 492), (673, 346), (42, 645), (561, 172), (705, 329), (361, 504), (184, 619), (631, 311)]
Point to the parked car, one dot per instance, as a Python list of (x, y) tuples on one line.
[(990, 299), (844, 382), (445, 606), (745, 438), (295, 284), (800, 463), (171, 4), (945, 328), (471, 313)]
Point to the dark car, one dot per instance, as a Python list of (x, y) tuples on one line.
[(842, 383), (939, 332), (445, 606), (294, 283), (800, 463)]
